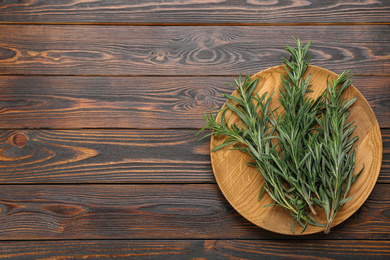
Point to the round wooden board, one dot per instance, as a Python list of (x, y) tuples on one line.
[(241, 183)]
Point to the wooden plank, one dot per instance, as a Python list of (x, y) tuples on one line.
[(201, 12), (384, 175), (196, 249), (115, 156), (105, 102), (186, 50), (133, 102), (375, 91), (30, 212), (104, 156)]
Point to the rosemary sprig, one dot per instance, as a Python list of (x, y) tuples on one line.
[(335, 144), (255, 134), (295, 124), (304, 152)]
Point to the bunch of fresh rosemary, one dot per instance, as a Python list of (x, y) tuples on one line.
[(304, 152)]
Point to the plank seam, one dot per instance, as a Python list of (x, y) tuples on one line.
[(198, 24), (152, 76)]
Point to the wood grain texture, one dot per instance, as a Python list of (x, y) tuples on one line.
[(115, 156), (196, 249), (386, 156), (203, 12), (154, 212), (186, 50), (109, 102), (104, 156), (100, 102), (134, 102)]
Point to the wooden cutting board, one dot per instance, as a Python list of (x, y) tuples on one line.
[(241, 183)]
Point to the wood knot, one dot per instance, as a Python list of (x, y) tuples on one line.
[(200, 97), (19, 140)]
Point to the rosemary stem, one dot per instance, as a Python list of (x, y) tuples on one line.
[(330, 220)]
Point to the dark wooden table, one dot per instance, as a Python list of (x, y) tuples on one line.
[(100, 102)]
